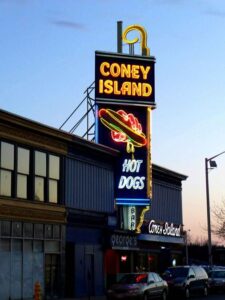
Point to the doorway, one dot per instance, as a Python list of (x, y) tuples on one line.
[(90, 274), (52, 276)]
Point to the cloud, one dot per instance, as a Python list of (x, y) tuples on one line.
[(215, 13), (68, 24), (173, 2), (18, 2)]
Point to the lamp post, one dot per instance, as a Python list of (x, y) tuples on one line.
[(186, 246), (213, 165)]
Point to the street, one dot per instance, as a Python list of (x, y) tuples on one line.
[(215, 297), (210, 297)]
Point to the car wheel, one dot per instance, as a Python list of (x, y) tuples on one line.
[(164, 295), (205, 291), (187, 293)]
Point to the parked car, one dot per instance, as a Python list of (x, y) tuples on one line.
[(217, 280), (139, 286), (208, 268), (186, 280)]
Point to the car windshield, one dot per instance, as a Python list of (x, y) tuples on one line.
[(134, 278), (176, 272)]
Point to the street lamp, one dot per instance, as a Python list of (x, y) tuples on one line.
[(212, 165)]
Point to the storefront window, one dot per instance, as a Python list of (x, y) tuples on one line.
[(125, 262), (145, 262)]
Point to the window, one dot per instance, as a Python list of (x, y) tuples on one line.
[(157, 277), (40, 175), (151, 277), (23, 171), (53, 178), (46, 177), (29, 174), (191, 272), (6, 168)]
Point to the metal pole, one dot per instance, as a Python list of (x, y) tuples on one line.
[(208, 213), (131, 49), (186, 244), (119, 36)]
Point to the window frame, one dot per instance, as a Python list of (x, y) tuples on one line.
[(9, 170), (30, 177), (17, 172)]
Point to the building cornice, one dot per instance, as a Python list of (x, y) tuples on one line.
[(31, 211)]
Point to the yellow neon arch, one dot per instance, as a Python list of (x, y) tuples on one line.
[(143, 33)]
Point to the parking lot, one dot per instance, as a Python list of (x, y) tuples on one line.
[(209, 297)]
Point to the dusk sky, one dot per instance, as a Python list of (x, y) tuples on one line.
[(47, 54)]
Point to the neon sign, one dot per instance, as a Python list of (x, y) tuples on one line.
[(131, 217), (124, 98), (125, 128), (143, 38), (166, 228), (128, 71), (121, 78), (131, 182)]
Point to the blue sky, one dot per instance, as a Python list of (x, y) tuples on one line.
[(47, 61)]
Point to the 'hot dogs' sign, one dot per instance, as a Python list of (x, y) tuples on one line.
[(126, 129), (121, 78)]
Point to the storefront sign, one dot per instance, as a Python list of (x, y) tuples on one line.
[(127, 130), (124, 99), (121, 78), (123, 241), (166, 228), (132, 182), (131, 217)]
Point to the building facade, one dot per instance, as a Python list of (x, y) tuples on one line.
[(59, 224), (89, 200), (161, 241), (32, 214), (56, 196)]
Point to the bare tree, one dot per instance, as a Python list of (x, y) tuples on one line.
[(218, 225)]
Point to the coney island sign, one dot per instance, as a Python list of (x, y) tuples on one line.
[(124, 79), (124, 100)]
